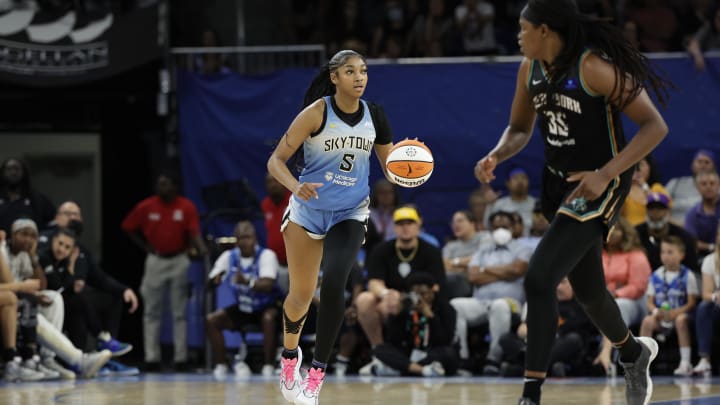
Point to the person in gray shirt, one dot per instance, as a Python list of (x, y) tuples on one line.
[(496, 271)]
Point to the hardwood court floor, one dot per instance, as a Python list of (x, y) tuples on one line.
[(170, 389)]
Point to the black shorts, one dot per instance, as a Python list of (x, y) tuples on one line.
[(607, 207), (241, 319)]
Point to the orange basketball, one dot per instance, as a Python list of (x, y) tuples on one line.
[(410, 163)]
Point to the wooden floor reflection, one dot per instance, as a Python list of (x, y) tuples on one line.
[(164, 389)]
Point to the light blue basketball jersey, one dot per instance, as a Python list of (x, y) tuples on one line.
[(339, 158)]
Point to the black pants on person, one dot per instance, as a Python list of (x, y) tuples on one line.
[(574, 249), (109, 308), (81, 317), (27, 324), (399, 360)]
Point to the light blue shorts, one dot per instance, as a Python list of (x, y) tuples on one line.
[(317, 223)]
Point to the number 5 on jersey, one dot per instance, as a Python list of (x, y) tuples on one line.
[(347, 163)]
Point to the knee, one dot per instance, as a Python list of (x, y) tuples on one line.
[(705, 308), (211, 320), (500, 307), (366, 302), (270, 316), (681, 321)]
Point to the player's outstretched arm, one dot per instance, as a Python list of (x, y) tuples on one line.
[(518, 132)]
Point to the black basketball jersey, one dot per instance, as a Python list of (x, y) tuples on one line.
[(581, 131)]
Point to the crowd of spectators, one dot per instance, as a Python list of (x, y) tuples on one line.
[(432, 28)]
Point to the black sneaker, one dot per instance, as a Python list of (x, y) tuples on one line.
[(637, 374), (526, 401)]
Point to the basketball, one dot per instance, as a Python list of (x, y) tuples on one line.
[(410, 163)]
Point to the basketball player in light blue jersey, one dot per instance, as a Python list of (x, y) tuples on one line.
[(326, 218)]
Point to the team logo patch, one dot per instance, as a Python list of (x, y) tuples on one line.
[(329, 176), (571, 84), (578, 205)]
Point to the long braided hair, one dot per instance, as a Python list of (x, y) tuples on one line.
[(579, 31), (321, 86)]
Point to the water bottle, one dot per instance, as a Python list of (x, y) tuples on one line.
[(666, 324)]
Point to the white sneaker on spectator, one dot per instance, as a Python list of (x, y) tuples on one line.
[(90, 363), (65, 374), (242, 370), (220, 371), (340, 369), (703, 368), (268, 370), (434, 369), (685, 369), (15, 371), (35, 364)]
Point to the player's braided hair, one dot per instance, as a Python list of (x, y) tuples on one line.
[(579, 31), (321, 85)]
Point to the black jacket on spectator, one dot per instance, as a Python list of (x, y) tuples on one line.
[(85, 267), (399, 329), (34, 205), (652, 246), (56, 272)]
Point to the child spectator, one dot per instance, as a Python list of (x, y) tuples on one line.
[(672, 294)]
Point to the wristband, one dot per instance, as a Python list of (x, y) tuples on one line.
[(251, 283)]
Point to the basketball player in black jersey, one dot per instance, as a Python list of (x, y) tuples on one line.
[(578, 74)]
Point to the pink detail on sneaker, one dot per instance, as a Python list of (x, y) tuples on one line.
[(314, 381), (288, 370)]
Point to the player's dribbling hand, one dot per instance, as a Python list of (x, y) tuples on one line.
[(306, 191), (591, 185), (484, 169)]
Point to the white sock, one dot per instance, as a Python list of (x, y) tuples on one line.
[(685, 355)]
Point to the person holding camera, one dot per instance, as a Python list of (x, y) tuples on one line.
[(389, 266), (418, 340)]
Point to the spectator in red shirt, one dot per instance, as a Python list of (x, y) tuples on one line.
[(273, 208), (165, 226)]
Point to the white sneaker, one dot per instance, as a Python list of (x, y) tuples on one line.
[(65, 374), (90, 363), (15, 371), (268, 370), (242, 370), (340, 369), (311, 385), (35, 364), (434, 369), (703, 368), (290, 378), (220, 371), (684, 369)]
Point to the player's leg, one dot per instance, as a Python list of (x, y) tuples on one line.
[(303, 254), (565, 243), (342, 244), (588, 282)]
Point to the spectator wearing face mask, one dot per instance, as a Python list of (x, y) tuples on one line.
[(657, 226), (497, 274)]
